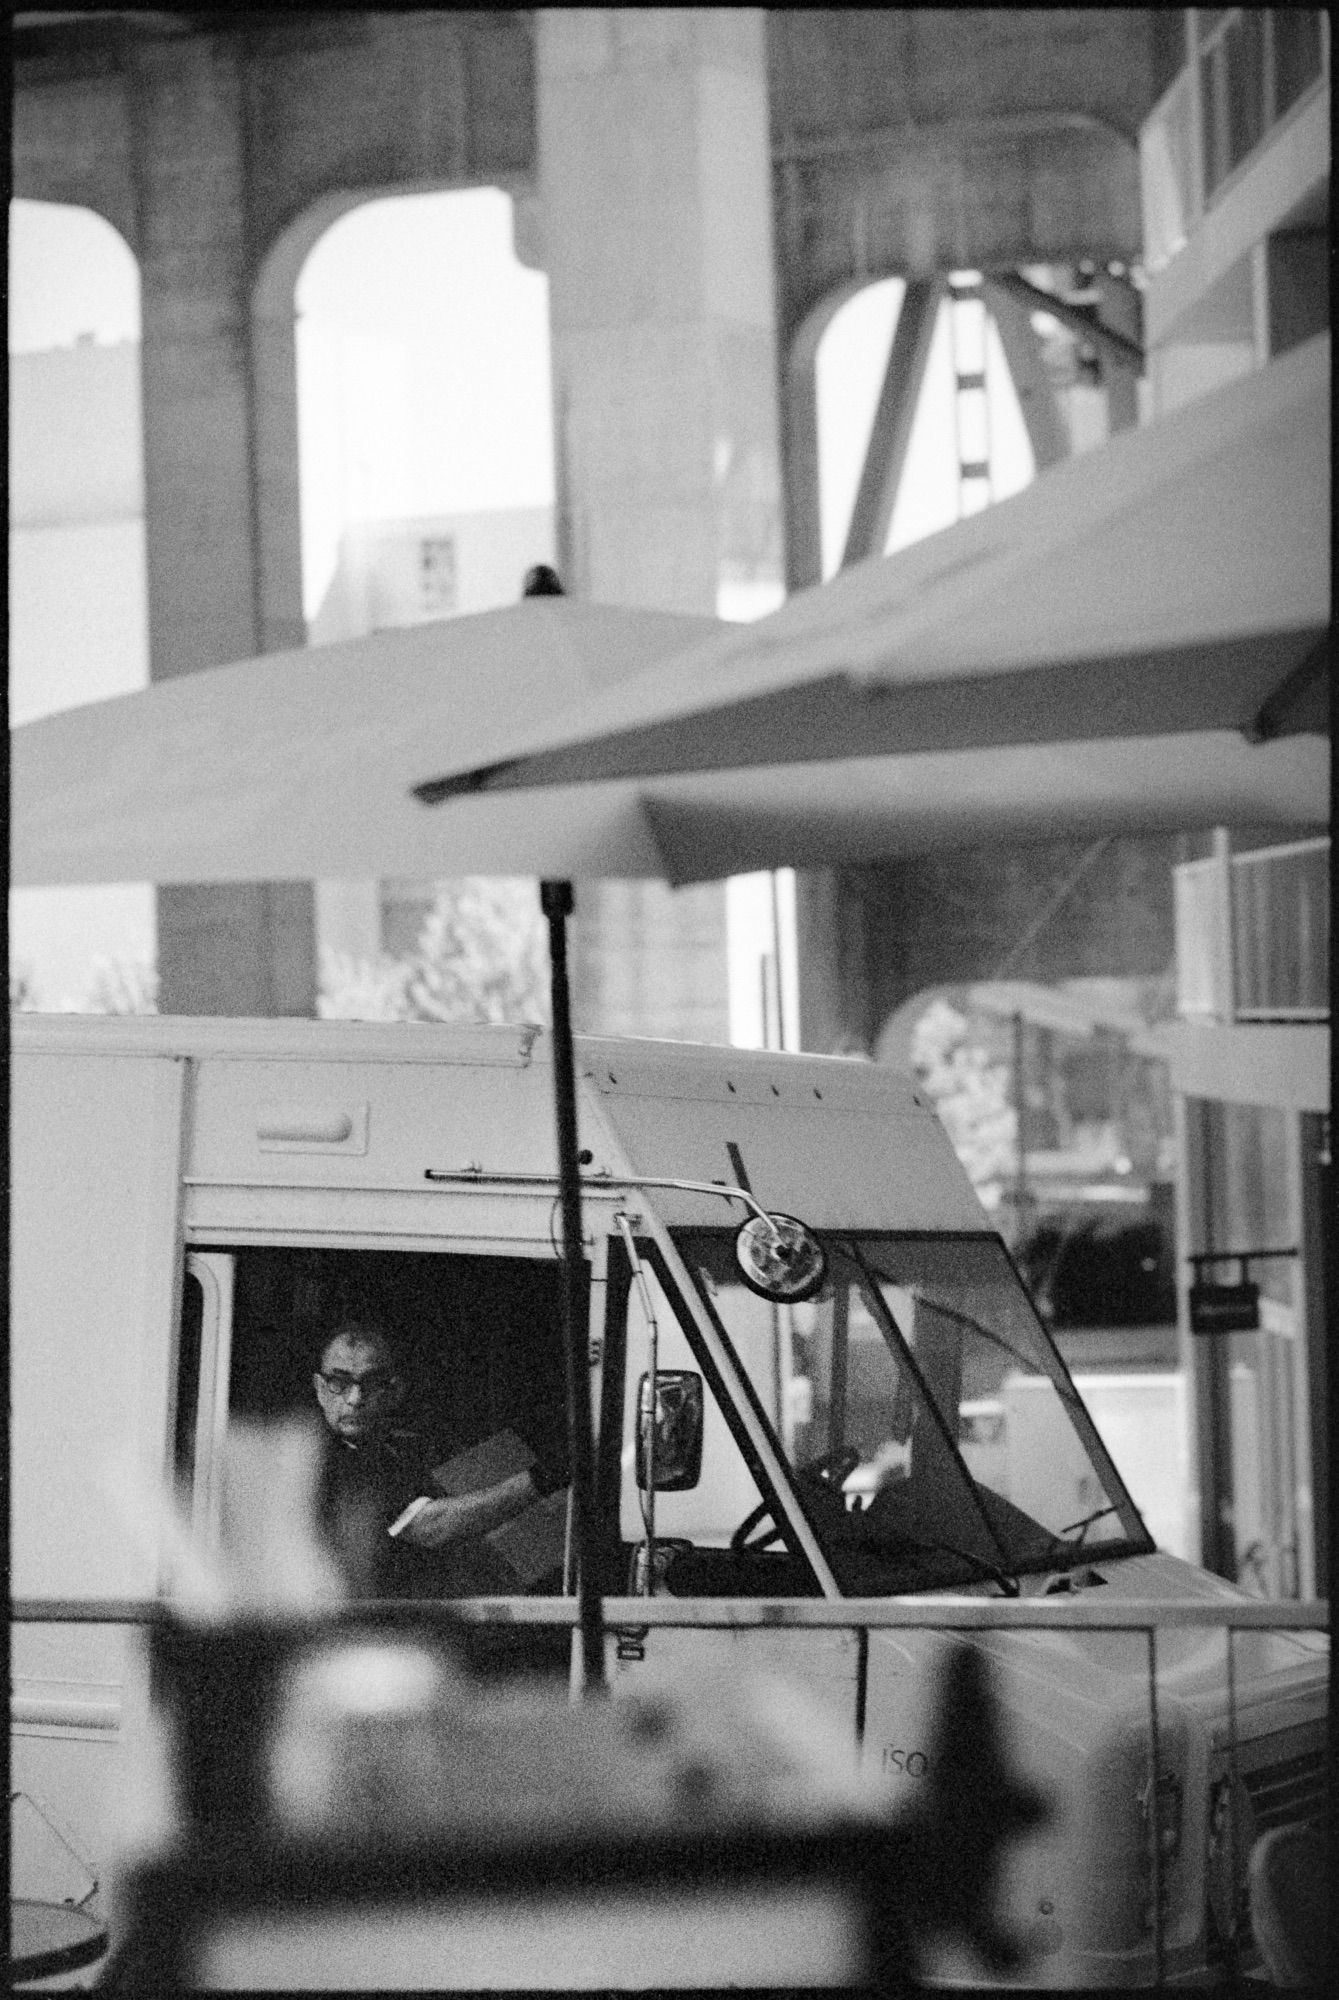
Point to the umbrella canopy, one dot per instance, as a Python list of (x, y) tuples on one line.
[(1111, 648), (298, 766), (987, 683)]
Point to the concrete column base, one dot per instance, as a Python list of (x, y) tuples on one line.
[(236, 948)]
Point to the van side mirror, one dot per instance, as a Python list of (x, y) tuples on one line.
[(677, 1458), (780, 1259)]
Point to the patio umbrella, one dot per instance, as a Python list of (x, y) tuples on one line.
[(297, 766), (1135, 642), (1137, 639)]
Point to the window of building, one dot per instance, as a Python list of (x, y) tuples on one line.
[(1244, 71), (1254, 64)]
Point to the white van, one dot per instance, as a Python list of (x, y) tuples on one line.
[(192, 1199)]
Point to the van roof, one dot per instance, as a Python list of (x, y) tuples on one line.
[(265, 1040), (624, 1065)]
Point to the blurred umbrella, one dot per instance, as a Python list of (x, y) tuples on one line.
[(297, 766), (1137, 640)]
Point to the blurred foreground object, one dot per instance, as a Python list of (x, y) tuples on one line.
[(52, 1947), (356, 1812), (1290, 1889)]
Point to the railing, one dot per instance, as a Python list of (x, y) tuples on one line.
[(732, 1614), (863, 1616), (1203, 940), (1253, 934), (1281, 932)]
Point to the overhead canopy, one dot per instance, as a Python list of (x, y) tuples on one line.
[(1128, 639)]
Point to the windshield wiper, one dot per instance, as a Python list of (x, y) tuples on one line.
[(965, 1319), (1060, 1539), (981, 1564)]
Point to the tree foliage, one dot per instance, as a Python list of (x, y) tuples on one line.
[(114, 986), (121, 986), (479, 958), (969, 1092)]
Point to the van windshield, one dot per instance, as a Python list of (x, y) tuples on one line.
[(935, 1434)]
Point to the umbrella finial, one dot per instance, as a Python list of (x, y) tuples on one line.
[(542, 581)]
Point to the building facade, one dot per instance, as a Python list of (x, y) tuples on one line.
[(1235, 186)]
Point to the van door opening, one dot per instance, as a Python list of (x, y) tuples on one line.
[(478, 1342)]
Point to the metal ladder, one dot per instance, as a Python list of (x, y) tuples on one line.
[(967, 320)]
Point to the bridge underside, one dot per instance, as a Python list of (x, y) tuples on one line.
[(705, 188)]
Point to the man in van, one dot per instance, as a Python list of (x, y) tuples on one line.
[(395, 1532)]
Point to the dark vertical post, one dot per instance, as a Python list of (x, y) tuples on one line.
[(1020, 1144), (556, 901)]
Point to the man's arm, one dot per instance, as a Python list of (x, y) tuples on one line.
[(439, 1522)]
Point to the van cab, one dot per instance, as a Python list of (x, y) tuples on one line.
[(193, 1199)]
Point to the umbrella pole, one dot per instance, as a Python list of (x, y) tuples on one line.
[(1020, 1141), (556, 901)]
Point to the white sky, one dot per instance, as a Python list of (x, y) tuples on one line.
[(851, 360), (423, 369), (70, 273)]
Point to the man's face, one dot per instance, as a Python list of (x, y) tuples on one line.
[(356, 1385)]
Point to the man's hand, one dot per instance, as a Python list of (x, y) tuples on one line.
[(442, 1522)]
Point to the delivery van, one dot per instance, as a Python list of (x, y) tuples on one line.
[(877, 1412)]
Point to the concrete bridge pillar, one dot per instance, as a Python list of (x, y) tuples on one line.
[(655, 218), (220, 467)]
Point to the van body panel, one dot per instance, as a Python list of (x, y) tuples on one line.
[(95, 1253), (365, 1217), (812, 1144), (342, 1124)]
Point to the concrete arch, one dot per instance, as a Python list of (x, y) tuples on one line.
[(273, 320), (71, 144), (120, 227), (282, 261)]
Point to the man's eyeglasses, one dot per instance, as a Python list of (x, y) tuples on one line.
[(374, 1383)]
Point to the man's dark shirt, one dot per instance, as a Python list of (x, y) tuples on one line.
[(364, 1488)]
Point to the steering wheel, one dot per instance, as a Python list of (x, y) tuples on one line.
[(823, 1475)]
